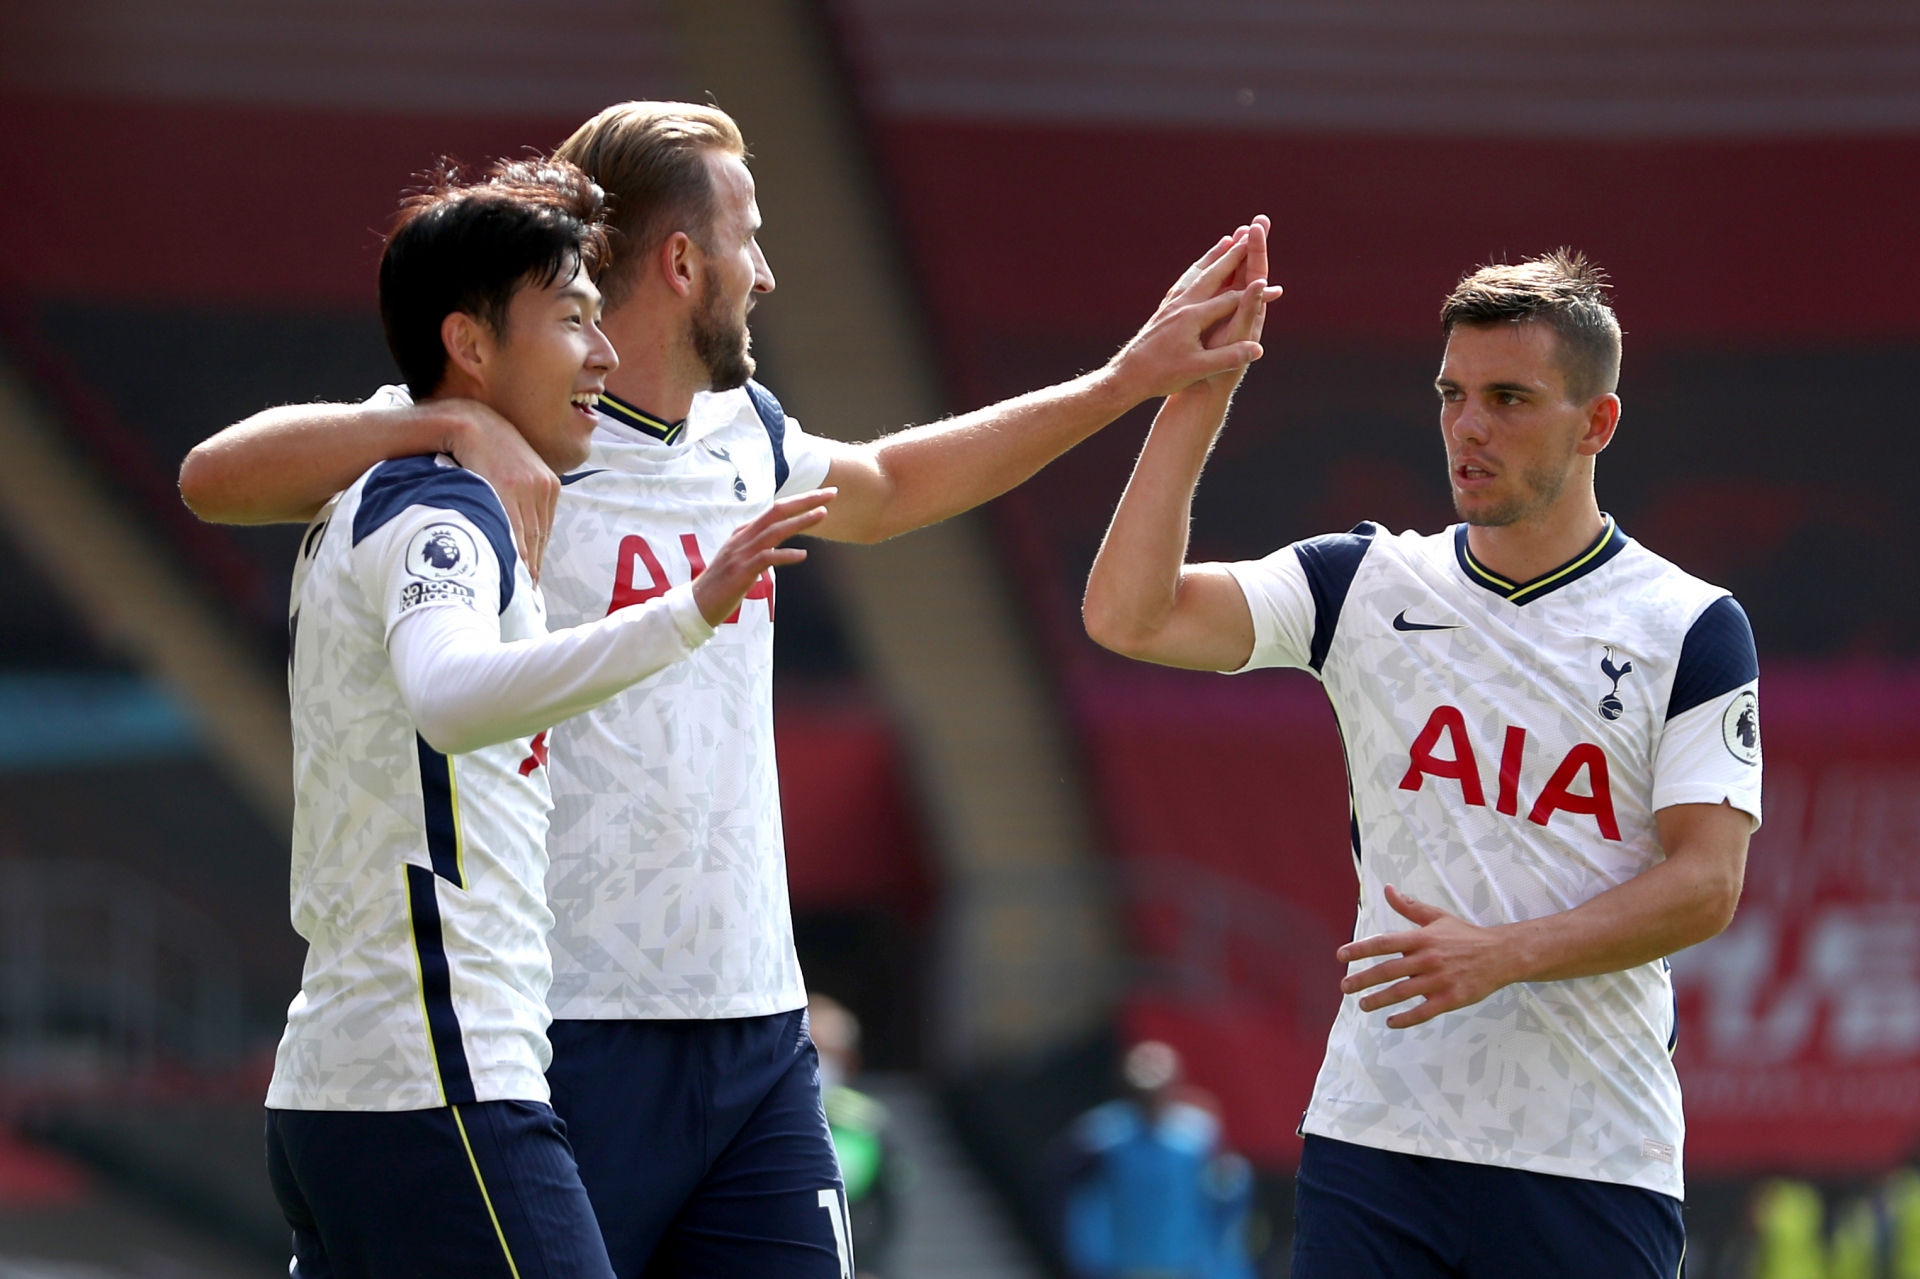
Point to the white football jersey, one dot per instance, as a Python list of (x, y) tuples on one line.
[(418, 878), (1508, 745), (669, 878)]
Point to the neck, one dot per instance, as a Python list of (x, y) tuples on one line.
[(1542, 542), (658, 371)]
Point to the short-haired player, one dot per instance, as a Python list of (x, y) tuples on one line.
[(682, 1063), (408, 1124), (1552, 735)]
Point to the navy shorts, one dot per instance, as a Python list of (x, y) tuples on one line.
[(1361, 1213), (704, 1146), (480, 1190)]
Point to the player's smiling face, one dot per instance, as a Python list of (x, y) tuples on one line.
[(548, 367), (1514, 438)]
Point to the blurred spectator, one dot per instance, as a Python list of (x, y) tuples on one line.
[(1875, 1235), (859, 1127), (1153, 1195), (1789, 1232)]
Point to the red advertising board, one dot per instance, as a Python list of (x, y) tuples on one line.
[(1799, 1027)]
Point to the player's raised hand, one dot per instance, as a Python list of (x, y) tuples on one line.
[(1445, 959), (489, 446), (1205, 326), (753, 549)]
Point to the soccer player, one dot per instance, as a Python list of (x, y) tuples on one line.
[(682, 1064), (408, 1130), (1553, 740)]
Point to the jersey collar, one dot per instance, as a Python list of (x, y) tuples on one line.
[(639, 419), (1609, 544)]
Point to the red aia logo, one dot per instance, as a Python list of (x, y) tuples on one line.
[(1464, 768), (634, 552)]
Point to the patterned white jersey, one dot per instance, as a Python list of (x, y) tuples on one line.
[(418, 878), (669, 876), (1508, 746)]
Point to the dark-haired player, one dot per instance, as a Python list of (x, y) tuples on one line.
[(1552, 735), (681, 1062), (408, 1130)]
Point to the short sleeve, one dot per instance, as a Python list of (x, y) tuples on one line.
[(1709, 749), (808, 459), (1281, 601), (800, 461), (428, 558), (389, 397)]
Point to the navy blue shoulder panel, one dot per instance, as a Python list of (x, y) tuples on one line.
[(422, 481), (1716, 657), (774, 418), (1330, 563)]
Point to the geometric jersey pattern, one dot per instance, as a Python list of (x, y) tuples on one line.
[(669, 876), (1508, 746), (418, 879)]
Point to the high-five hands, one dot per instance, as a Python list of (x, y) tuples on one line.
[(1208, 323), (1449, 961), (753, 549)]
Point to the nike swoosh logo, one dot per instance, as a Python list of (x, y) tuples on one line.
[(1401, 623)]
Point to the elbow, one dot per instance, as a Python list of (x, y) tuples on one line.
[(207, 490), (1112, 631), (1715, 908), (197, 487), (449, 733)]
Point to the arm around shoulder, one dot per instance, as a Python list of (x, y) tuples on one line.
[(282, 464)]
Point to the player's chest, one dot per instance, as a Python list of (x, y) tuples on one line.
[(623, 538), (1499, 698)]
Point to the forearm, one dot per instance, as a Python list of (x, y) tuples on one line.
[(466, 689), (926, 474), (1671, 906), (1140, 573), (283, 464)]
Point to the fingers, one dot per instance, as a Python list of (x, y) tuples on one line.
[(1419, 1015), (1398, 993), (1417, 911), (786, 509), (1378, 944), (1373, 975), (537, 516), (1255, 267), (780, 530), (1205, 278)]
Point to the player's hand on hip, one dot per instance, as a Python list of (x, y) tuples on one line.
[(489, 446), (753, 549), (1445, 962)]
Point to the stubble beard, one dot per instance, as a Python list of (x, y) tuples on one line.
[(721, 343), (1540, 488)]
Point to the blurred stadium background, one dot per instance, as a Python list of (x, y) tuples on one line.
[(1010, 853)]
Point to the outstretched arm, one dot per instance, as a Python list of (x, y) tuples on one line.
[(1143, 599), (283, 464), (928, 473), (1684, 900), (466, 689)]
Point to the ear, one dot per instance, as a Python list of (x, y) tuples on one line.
[(679, 265), (1603, 418), (469, 344)]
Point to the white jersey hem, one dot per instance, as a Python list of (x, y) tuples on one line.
[(512, 1083), (614, 1008), (1659, 1178)]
